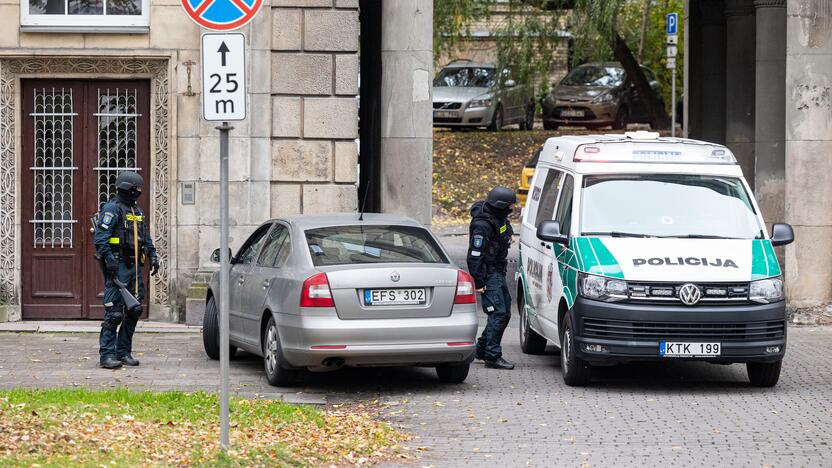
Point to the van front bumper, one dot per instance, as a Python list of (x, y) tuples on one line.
[(632, 332)]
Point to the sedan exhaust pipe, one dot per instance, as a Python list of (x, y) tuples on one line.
[(333, 363)]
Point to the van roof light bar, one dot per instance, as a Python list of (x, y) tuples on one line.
[(637, 152)]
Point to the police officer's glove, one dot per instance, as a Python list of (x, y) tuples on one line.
[(111, 264), (154, 266)]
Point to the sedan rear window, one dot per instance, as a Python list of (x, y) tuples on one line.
[(341, 245)]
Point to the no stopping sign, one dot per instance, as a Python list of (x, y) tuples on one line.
[(221, 15)]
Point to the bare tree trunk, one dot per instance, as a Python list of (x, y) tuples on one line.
[(645, 17), (658, 115)]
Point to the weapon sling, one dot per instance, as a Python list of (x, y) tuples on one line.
[(136, 247)]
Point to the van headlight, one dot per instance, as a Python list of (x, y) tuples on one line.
[(767, 290), (600, 288)]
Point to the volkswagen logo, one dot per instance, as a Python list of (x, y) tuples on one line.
[(395, 277), (690, 294)]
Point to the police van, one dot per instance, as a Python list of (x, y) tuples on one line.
[(640, 247)]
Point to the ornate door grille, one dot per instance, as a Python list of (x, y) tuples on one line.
[(53, 169), (117, 116)]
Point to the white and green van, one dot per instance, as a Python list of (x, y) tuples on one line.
[(640, 247)]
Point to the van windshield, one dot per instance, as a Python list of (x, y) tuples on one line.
[(668, 205)]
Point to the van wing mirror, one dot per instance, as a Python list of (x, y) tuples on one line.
[(549, 231), (782, 234), (215, 256)]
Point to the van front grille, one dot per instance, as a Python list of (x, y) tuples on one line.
[(656, 331), (668, 293)]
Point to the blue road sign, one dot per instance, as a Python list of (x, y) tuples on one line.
[(672, 23)]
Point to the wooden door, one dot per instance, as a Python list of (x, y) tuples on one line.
[(77, 137)]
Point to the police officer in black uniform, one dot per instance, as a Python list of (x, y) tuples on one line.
[(123, 244), (490, 238)]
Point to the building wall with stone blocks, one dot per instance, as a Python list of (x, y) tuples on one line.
[(296, 153)]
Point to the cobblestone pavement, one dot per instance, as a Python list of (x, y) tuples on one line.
[(674, 414)]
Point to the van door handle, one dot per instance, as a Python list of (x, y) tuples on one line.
[(266, 284), (241, 280)]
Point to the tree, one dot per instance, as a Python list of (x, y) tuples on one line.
[(538, 23)]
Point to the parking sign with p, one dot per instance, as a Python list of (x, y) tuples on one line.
[(672, 24)]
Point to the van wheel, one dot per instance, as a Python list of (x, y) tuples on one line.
[(211, 332), (497, 120), (576, 371), (530, 341), (453, 373), (764, 374), (277, 372)]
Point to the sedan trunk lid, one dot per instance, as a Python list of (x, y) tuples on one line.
[(350, 285)]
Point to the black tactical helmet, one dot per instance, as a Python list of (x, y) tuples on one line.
[(129, 180), (501, 198)]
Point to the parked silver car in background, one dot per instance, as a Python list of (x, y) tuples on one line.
[(468, 94), (322, 292)]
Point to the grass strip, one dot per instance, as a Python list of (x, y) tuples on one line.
[(79, 427)]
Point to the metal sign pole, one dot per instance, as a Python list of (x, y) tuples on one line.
[(673, 105), (225, 263)]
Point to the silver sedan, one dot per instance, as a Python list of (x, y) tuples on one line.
[(323, 292)]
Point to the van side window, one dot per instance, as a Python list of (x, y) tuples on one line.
[(533, 199), (564, 214), (548, 197)]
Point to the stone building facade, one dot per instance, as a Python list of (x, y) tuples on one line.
[(758, 77), (81, 98)]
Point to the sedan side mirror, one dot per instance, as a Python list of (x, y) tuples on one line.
[(782, 234), (510, 83), (549, 231), (215, 256)]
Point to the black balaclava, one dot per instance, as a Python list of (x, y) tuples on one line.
[(129, 186)]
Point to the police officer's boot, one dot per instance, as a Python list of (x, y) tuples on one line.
[(110, 363), (129, 360), (499, 363)]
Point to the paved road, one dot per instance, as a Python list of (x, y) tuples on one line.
[(680, 414), (673, 414)]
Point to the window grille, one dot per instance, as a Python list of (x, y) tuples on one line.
[(54, 168), (117, 138)]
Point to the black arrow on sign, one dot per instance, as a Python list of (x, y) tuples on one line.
[(223, 50)]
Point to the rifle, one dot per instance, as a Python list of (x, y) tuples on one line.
[(131, 304)]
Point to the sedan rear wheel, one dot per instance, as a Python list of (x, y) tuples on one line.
[(453, 373), (276, 371)]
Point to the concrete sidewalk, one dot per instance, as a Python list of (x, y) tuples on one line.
[(91, 326)]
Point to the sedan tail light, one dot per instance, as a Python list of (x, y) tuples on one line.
[(466, 293), (316, 292)]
